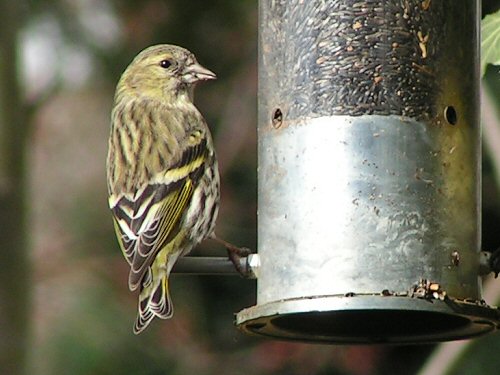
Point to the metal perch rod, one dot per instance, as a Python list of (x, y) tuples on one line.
[(211, 266)]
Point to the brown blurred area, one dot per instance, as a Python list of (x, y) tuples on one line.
[(69, 307)]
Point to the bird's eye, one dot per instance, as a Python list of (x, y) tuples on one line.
[(165, 64)]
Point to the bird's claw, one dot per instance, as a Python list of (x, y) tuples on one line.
[(235, 255)]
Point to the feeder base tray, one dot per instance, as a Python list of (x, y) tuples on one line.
[(369, 319)]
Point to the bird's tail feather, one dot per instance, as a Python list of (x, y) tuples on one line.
[(154, 300)]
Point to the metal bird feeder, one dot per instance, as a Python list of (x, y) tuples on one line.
[(369, 172)]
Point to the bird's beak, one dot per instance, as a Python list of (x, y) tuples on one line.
[(195, 72)]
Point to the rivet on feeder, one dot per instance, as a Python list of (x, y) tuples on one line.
[(277, 119)]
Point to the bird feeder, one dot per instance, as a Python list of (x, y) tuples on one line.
[(369, 172)]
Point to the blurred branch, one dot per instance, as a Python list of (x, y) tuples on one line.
[(443, 358), (32, 107), (15, 275)]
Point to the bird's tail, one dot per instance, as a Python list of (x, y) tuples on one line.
[(154, 300)]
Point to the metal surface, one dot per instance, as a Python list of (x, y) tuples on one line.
[(369, 170), (363, 204), (215, 266)]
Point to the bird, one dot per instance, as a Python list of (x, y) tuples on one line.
[(162, 173)]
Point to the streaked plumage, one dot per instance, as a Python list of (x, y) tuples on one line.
[(163, 180)]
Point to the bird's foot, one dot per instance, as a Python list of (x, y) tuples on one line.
[(235, 255)]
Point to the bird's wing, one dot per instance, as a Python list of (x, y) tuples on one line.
[(148, 220)]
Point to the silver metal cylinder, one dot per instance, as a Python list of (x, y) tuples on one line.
[(369, 172)]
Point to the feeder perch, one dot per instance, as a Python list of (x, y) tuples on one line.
[(369, 173)]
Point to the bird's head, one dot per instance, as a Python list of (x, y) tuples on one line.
[(163, 71)]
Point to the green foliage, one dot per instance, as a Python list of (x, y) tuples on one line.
[(480, 358), (490, 43)]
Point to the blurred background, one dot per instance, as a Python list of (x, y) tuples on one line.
[(64, 303)]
